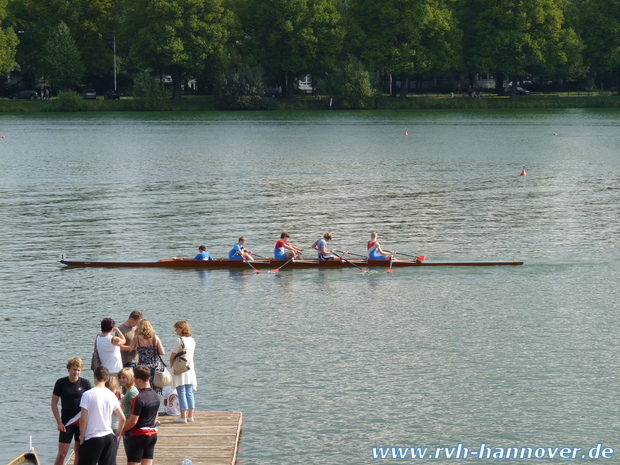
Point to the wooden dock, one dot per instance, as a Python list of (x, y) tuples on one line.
[(212, 439)]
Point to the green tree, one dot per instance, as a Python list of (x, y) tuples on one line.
[(600, 21), (240, 88), (177, 37), (407, 37), (8, 44), (148, 92), (92, 24), (517, 38), (291, 38), (61, 65), (350, 85)]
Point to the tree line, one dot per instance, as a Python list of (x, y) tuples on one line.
[(70, 44)]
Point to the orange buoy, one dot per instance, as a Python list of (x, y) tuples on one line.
[(4, 137), (555, 133), (406, 133), (523, 173)]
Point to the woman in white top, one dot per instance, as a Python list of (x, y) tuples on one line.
[(108, 346), (185, 383)]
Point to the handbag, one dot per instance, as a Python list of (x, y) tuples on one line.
[(181, 364), (162, 376), (95, 361)]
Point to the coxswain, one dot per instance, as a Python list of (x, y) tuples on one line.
[(203, 254)]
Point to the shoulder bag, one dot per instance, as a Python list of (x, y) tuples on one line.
[(162, 376), (181, 364), (95, 361)]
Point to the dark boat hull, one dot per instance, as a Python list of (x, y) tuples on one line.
[(274, 264)]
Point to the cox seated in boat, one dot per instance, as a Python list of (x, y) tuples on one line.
[(239, 252), (285, 251), (203, 254), (321, 247), (375, 252)]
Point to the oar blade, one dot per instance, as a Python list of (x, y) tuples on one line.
[(389, 271)]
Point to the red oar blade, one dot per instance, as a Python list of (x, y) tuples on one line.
[(389, 271), (256, 271)]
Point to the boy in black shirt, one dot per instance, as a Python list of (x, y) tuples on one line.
[(69, 390)]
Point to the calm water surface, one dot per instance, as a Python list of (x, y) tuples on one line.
[(327, 364)]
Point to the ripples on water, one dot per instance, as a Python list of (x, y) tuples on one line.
[(327, 364)]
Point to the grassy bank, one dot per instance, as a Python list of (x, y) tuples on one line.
[(303, 102)]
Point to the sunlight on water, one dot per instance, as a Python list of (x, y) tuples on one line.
[(327, 364)]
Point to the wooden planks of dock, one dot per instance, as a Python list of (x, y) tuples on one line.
[(212, 439)]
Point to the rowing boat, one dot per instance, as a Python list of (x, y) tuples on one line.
[(29, 458), (221, 263)]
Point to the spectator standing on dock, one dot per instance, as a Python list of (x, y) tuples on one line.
[(149, 348), (98, 443), (140, 429), (108, 346), (185, 383), (130, 357), (69, 391), (129, 390)]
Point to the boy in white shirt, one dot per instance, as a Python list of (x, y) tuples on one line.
[(98, 443)]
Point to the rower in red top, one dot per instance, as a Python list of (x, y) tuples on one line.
[(375, 252), (285, 251)]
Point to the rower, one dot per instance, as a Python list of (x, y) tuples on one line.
[(375, 252), (285, 251), (203, 254), (321, 246), (239, 252)]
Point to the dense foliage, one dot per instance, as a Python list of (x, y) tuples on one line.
[(75, 43)]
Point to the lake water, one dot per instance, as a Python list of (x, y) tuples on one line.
[(327, 364)]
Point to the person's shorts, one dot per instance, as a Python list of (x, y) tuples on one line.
[(140, 447), (72, 432), (280, 254), (376, 256)]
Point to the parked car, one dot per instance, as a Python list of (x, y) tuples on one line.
[(520, 91), (273, 92), (112, 95), (89, 94), (24, 95)]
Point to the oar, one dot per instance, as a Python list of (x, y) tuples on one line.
[(251, 266), (390, 270), (356, 254), (407, 255), (278, 269), (350, 263)]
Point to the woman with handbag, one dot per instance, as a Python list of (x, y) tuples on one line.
[(184, 377), (150, 350)]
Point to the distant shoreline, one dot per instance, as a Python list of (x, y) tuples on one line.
[(303, 102)]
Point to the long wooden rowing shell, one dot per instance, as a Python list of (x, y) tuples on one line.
[(271, 264)]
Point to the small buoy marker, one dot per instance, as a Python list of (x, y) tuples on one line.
[(406, 133), (555, 133), (523, 173), (4, 137)]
